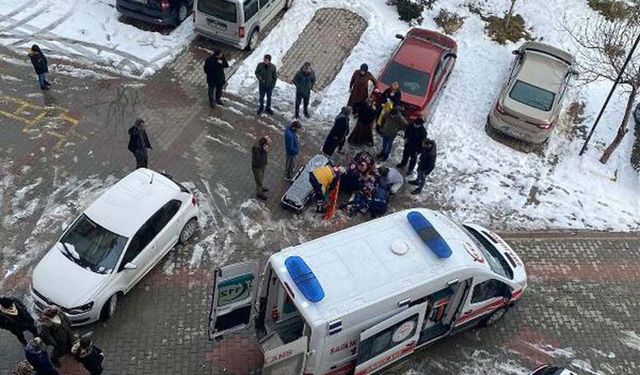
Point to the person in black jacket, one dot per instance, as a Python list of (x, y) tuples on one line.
[(89, 355), (41, 66), (267, 77), (55, 330), (214, 67), (259, 159), (139, 143), (425, 165), (338, 133), (15, 318), (304, 81), (413, 138), (36, 355)]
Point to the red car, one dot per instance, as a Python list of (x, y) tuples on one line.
[(421, 65)]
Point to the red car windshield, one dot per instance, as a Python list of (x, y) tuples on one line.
[(412, 81)]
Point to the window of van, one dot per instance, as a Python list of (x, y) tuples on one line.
[(221, 9), (250, 9), (496, 261), (385, 340), (488, 289)]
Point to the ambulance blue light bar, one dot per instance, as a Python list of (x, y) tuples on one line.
[(428, 234), (304, 278)]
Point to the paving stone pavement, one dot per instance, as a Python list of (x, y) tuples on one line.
[(326, 42)]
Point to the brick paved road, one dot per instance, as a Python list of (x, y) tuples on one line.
[(579, 309)]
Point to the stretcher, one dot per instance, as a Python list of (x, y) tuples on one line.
[(300, 191)]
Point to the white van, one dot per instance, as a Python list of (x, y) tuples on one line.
[(360, 299), (236, 22)]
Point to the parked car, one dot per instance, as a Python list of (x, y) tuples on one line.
[(529, 104), (113, 244), (159, 12), (421, 65), (552, 370), (236, 22)]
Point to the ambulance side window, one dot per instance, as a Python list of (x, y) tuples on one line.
[(489, 289)]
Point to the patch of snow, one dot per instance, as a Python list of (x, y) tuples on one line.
[(586, 367), (631, 339)]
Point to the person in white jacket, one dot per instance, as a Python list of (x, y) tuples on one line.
[(390, 179)]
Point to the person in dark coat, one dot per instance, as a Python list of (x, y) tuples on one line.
[(41, 66), (36, 354), (267, 77), (392, 94), (413, 138), (292, 148), (139, 143), (214, 67), (338, 133), (359, 87), (55, 330), (304, 81), (15, 318), (362, 133), (425, 165), (392, 123), (259, 159), (89, 355)]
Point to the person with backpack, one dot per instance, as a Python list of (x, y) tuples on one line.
[(89, 355), (139, 143), (426, 164), (40, 65)]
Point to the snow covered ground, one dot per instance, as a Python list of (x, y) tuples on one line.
[(477, 178), (89, 31)]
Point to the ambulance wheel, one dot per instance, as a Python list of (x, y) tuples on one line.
[(495, 317)]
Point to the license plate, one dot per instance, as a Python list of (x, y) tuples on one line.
[(216, 24)]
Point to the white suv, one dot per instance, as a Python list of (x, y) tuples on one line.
[(113, 244)]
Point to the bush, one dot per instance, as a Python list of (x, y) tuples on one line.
[(613, 10), (498, 32), (448, 21), (411, 10)]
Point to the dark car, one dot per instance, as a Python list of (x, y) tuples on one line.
[(421, 65), (159, 12)]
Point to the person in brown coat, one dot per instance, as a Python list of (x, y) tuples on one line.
[(362, 134), (359, 87), (259, 159), (55, 330)]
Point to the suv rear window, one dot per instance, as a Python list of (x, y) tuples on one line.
[(220, 9), (412, 81), (532, 96)]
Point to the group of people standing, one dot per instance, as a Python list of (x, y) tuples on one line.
[(53, 329)]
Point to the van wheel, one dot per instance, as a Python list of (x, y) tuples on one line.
[(188, 230), (109, 308), (494, 317), (288, 4), (183, 13), (254, 40)]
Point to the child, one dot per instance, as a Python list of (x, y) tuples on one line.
[(88, 354)]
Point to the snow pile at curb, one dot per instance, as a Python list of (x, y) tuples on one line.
[(477, 178)]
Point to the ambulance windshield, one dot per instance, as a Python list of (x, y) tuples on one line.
[(496, 261)]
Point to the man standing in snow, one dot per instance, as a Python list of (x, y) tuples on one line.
[(292, 148), (267, 76), (259, 159), (214, 67), (304, 81), (41, 66), (55, 330), (139, 143), (413, 138), (426, 164), (15, 318)]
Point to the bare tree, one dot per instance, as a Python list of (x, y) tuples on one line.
[(509, 15), (603, 49)]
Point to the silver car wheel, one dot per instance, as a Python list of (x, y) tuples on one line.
[(189, 229), (254, 40)]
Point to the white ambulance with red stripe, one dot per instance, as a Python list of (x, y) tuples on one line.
[(360, 299)]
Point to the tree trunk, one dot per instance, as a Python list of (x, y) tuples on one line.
[(509, 14), (622, 130)]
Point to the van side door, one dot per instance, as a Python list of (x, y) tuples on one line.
[(268, 10), (390, 340), (486, 297), (234, 291)]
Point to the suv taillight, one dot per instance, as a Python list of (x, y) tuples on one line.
[(500, 109), (544, 125), (241, 31), (164, 5)]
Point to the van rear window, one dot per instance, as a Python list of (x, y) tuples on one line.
[(220, 9)]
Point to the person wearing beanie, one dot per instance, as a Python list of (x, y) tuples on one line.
[(359, 88), (15, 318), (89, 355), (55, 330)]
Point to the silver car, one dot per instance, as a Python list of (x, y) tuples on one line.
[(529, 104), (236, 22)]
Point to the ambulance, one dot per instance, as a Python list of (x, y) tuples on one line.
[(358, 300)]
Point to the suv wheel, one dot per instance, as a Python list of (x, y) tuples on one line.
[(183, 13), (109, 308), (254, 40), (188, 230)]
